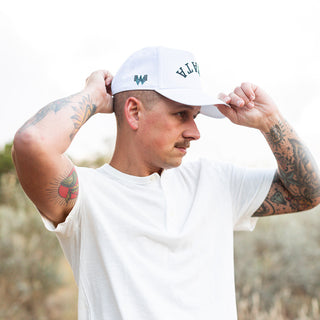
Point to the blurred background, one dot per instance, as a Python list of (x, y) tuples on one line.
[(48, 49)]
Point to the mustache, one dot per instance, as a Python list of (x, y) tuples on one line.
[(182, 144)]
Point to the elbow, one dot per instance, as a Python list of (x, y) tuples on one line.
[(315, 204), (316, 187), (316, 201), (313, 198), (25, 143)]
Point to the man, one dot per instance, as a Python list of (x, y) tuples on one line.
[(147, 238)]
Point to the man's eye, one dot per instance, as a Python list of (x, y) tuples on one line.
[(181, 114)]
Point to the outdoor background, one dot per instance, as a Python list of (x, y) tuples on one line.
[(48, 49)]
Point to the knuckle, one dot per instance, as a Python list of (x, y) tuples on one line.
[(244, 84), (237, 90), (232, 94)]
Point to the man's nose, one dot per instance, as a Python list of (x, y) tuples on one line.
[(191, 131)]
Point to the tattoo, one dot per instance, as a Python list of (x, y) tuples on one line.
[(82, 114), (278, 198), (276, 135), (67, 188), (296, 186), (83, 110), (53, 106), (266, 209), (300, 175)]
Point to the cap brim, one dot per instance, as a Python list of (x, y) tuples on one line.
[(212, 110), (195, 98)]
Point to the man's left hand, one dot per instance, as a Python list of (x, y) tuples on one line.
[(250, 107)]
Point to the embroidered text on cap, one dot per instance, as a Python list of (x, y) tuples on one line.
[(186, 70)]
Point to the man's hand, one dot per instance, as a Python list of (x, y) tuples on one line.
[(98, 85), (296, 185), (250, 107)]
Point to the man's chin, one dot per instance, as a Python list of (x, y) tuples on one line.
[(173, 164)]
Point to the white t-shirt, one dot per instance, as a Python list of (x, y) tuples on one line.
[(159, 247)]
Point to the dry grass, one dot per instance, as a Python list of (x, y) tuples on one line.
[(278, 268), (62, 304), (305, 308)]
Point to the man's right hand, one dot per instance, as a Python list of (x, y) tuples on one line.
[(98, 85)]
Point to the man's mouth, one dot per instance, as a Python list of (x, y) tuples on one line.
[(182, 146)]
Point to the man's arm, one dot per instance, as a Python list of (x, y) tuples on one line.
[(47, 176), (296, 185)]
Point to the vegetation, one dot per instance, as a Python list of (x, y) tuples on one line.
[(29, 255), (277, 266)]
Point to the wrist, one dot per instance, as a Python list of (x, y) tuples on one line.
[(269, 122), (93, 98), (101, 100)]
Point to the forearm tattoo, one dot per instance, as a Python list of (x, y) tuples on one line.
[(54, 106), (296, 185), (83, 110)]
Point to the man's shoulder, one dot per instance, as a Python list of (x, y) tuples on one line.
[(205, 164), (88, 173), (202, 167)]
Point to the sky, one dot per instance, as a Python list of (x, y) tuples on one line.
[(49, 48)]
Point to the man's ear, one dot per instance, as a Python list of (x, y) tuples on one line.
[(132, 110)]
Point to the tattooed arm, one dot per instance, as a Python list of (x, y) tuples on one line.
[(296, 185), (45, 173)]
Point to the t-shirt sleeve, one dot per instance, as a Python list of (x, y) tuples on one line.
[(68, 232), (248, 189)]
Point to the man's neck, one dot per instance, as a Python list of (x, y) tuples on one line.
[(128, 159)]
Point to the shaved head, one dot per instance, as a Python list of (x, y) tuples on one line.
[(147, 97)]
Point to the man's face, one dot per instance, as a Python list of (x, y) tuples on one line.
[(165, 132)]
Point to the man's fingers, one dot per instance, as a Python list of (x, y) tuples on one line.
[(224, 97), (108, 78), (105, 74), (237, 99), (243, 95), (100, 77), (248, 89), (226, 111)]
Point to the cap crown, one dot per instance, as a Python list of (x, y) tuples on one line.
[(156, 68), (173, 73)]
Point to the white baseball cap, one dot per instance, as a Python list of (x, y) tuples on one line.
[(172, 73)]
